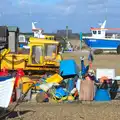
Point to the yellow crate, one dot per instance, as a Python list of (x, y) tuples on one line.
[(26, 84), (54, 78)]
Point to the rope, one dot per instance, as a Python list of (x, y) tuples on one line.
[(15, 62)]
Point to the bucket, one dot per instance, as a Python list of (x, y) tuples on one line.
[(102, 95), (60, 92)]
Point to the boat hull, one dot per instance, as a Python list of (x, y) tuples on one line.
[(102, 43)]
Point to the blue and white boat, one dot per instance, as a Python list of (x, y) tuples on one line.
[(99, 40)]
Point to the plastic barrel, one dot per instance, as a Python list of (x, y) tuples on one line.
[(102, 95)]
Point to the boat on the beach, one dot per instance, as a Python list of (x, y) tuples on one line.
[(6, 89), (37, 33), (99, 39)]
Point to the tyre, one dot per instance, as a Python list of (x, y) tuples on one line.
[(118, 49)]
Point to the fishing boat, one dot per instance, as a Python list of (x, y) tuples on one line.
[(37, 33), (99, 39), (6, 89)]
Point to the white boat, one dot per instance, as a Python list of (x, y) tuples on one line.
[(6, 89)]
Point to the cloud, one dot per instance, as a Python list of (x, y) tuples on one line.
[(55, 14)]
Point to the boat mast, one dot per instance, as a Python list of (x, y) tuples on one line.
[(106, 10), (106, 14)]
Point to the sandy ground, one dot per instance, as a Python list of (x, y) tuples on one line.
[(71, 111), (76, 111), (100, 61)]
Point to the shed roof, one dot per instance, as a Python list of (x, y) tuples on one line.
[(13, 29)]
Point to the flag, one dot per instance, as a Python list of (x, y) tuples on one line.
[(90, 59)]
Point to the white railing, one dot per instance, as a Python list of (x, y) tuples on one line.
[(115, 37)]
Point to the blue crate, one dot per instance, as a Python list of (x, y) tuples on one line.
[(68, 67)]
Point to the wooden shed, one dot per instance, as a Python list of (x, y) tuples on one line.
[(3, 37), (13, 38)]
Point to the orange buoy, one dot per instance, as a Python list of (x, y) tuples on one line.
[(104, 78)]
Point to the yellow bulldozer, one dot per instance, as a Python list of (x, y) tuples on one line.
[(42, 56)]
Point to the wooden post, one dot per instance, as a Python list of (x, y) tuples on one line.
[(80, 40), (67, 33)]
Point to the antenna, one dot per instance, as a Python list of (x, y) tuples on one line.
[(35, 22), (106, 10), (106, 13)]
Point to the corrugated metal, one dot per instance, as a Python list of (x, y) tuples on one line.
[(3, 31), (3, 37)]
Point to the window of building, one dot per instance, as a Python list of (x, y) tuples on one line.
[(21, 38)]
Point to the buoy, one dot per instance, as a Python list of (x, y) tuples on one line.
[(104, 78), (70, 98)]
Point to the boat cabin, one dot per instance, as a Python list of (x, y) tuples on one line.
[(38, 33), (99, 32)]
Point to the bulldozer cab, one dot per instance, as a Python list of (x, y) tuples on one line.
[(37, 53), (43, 51), (50, 51)]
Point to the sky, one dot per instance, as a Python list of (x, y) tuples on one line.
[(52, 15)]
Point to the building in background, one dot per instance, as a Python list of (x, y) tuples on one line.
[(63, 32), (3, 37), (66, 32)]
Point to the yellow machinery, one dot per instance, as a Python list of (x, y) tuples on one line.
[(42, 55), (49, 37)]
